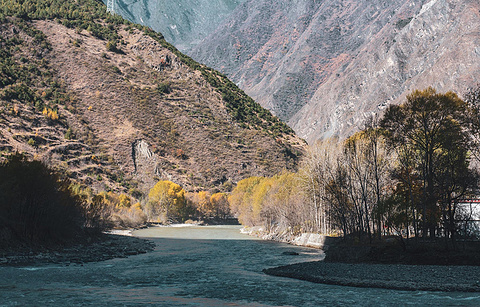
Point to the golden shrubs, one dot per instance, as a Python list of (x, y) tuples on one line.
[(109, 209), (50, 114)]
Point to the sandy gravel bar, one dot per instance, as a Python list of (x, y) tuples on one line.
[(388, 276)]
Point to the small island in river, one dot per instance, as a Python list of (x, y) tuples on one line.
[(390, 266), (388, 276)]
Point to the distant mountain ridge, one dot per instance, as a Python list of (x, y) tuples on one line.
[(184, 23), (324, 66)]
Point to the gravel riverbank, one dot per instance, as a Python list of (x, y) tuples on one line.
[(104, 247), (388, 276)]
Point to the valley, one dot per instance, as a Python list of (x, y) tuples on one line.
[(348, 126)]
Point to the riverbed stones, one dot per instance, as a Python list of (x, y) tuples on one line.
[(102, 248), (388, 276)]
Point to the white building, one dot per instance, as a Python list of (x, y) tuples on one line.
[(467, 216)]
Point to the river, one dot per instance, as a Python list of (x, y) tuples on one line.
[(198, 266)]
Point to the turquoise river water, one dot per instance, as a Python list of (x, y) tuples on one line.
[(198, 266)]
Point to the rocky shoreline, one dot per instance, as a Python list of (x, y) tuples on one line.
[(387, 276), (384, 265), (104, 247), (313, 240)]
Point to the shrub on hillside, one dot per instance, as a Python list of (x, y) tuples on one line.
[(113, 47), (164, 88)]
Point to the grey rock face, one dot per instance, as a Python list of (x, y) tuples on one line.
[(324, 66), (184, 23), (435, 48)]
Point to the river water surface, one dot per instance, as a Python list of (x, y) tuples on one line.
[(198, 266)]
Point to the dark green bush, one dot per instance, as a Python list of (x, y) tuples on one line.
[(115, 69), (111, 46), (164, 88), (69, 135)]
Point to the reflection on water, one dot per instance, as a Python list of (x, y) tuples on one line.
[(198, 266)]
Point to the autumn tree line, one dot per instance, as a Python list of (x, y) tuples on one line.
[(166, 203), (404, 174), (39, 206)]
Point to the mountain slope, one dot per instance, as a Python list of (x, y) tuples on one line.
[(324, 66), (183, 23), (131, 108)]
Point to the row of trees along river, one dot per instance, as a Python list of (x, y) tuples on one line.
[(403, 174)]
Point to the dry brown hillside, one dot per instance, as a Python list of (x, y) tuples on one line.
[(130, 115)]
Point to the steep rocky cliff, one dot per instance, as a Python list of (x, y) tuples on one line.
[(126, 114), (184, 23), (324, 66)]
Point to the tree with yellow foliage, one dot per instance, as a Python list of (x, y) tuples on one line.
[(108, 209), (209, 207), (240, 200), (275, 203), (203, 204), (167, 203), (124, 201)]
